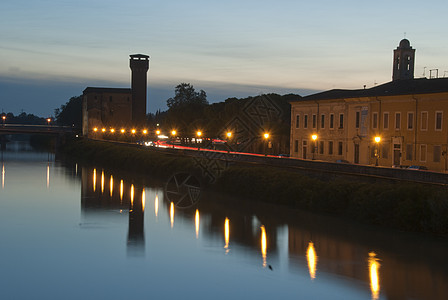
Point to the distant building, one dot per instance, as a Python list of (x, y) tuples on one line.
[(407, 114), (117, 107)]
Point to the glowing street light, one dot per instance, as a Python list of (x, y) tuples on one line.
[(95, 129), (229, 134), (266, 137), (133, 131), (48, 121), (173, 134), (198, 135), (145, 131), (122, 130), (377, 154), (112, 130), (314, 138), (103, 129), (3, 118), (158, 132)]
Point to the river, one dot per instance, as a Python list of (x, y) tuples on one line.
[(73, 231)]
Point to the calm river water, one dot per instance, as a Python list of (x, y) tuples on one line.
[(69, 231)]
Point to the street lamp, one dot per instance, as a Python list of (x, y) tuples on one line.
[(3, 118), (229, 136), (198, 135), (377, 154), (173, 134), (314, 138), (48, 121), (266, 138)]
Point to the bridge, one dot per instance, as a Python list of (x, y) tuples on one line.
[(34, 129)]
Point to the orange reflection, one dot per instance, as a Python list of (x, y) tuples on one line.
[(48, 175), (263, 245), (111, 185), (226, 234), (156, 205), (196, 223), (132, 196), (102, 181), (94, 179), (312, 260), (3, 176), (143, 200), (121, 191), (374, 265), (172, 214)]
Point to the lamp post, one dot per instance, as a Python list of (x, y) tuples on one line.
[(229, 136), (48, 121), (314, 138), (266, 138), (198, 135), (173, 134), (377, 141), (4, 119)]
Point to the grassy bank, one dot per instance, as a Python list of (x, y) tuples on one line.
[(414, 207)]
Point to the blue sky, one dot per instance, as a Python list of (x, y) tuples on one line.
[(50, 50)]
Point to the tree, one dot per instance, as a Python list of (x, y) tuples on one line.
[(185, 94), (70, 114)]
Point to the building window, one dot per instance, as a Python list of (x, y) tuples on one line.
[(409, 151), (397, 121), (322, 121), (340, 145), (439, 116), (437, 153), (357, 118), (321, 147), (305, 121), (422, 152), (386, 120), (375, 120), (314, 121), (341, 121), (330, 148), (331, 121), (296, 146), (410, 120), (298, 121), (385, 150), (424, 121)]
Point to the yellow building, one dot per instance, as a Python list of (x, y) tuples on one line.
[(406, 115)]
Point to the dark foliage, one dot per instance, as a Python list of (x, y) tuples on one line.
[(70, 114)]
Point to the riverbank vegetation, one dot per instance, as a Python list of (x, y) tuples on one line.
[(405, 206)]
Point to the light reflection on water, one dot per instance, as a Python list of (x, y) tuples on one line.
[(107, 236)]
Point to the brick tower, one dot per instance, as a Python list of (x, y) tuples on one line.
[(139, 64)]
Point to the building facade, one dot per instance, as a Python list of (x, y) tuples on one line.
[(406, 116), (117, 107)]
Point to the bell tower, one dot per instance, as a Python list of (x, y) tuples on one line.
[(139, 64), (404, 58)]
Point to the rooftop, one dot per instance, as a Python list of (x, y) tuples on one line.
[(107, 90), (392, 88)]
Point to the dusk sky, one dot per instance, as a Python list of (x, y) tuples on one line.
[(52, 50)]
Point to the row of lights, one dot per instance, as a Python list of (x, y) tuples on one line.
[(4, 119), (122, 130), (229, 134), (377, 139)]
